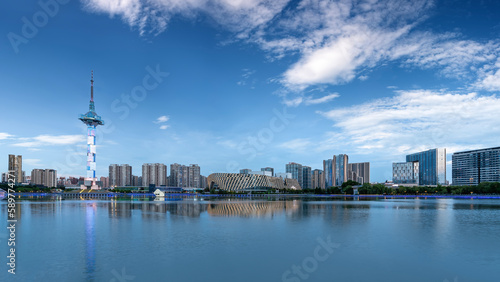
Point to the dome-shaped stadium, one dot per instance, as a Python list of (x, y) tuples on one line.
[(238, 182)]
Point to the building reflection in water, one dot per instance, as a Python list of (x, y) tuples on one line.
[(295, 208), (156, 209), (252, 208)]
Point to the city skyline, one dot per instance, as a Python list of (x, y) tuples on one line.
[(250, 93)]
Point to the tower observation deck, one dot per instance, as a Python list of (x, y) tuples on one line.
[(92, 120)]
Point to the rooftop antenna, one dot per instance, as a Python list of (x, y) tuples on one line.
[(92, 85)]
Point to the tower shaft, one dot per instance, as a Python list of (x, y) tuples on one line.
[(91, 153)]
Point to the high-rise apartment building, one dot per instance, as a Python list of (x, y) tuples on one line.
[(359, 172), (120, 175), (185, 176), (339, 169), (296, 170), (175, 177), (431, 166), (16, 167), (318, 180), (194, 176), (135, 181), (104, 181), (114, 175), (306, 177), (126, 177), (203, 181), (476, 166), (328, 172), (45, 177), (154, 174)]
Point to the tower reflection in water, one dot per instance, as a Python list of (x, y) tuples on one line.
[(90, 240)]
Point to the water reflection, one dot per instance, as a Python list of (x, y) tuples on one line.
[(252, 208), (90, 241), (383, 235)]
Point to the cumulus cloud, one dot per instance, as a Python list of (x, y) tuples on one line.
[(417, 120), (163, 127), (338, 60), (49, 140)]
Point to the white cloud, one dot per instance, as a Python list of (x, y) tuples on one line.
[(4, 135), (162, 119), (337, 61), (49, 140), (324, 99), (448, 53), (417, 120), (293, 102), (334, 41), (491, 81), (297, 145), (489, 78), (338, 40), (363, 77), (163, 127), (240, 16), (247, 73)]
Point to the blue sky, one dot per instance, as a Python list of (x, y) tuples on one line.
[(246, 84)]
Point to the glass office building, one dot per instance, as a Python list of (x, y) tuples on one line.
[(327, 172), (340, 166), (306, 177), (270, 169), (431, 166), (476, 166), (296, 170), (405, 173)]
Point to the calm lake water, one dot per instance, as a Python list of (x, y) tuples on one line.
[(292, 239)]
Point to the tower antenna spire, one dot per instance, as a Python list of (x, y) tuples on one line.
[(92, 85)]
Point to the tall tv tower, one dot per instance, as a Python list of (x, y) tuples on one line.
[(92, 120)]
